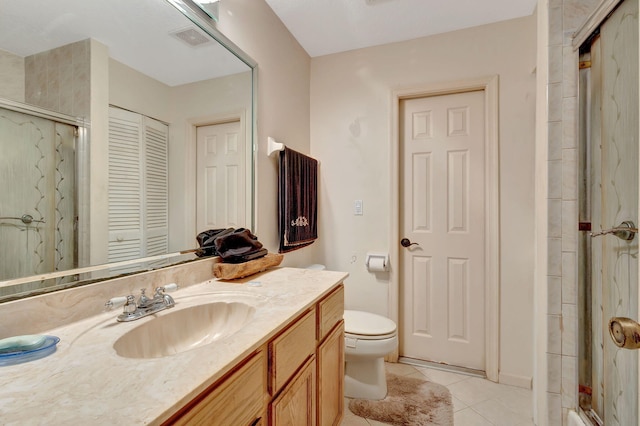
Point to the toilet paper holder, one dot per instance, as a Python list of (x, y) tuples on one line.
[(377, 262)]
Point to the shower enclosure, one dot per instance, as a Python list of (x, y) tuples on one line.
[(38, 218), (608, 197)]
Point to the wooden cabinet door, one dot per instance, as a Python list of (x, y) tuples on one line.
[(330, 360), (239, 400), (296, 405)]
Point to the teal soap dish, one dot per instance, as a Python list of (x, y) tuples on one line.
[(19, 349)]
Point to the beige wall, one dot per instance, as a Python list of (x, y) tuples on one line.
[(283, 104), (350, 134)]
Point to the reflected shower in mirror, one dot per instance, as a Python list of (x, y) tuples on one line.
[(126, 128)]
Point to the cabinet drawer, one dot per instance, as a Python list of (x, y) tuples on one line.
[(245, 388), (330, 312), (290, 349)]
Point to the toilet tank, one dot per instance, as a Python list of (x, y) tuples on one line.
[(316, 267)]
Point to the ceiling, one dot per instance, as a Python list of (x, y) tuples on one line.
[(329, 26), (136, 33)]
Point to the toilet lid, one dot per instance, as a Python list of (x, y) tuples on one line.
[(367, 324)]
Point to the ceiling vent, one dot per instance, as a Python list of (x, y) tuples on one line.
[(191, 36)]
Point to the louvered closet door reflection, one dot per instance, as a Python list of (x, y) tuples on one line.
[(156, 187), (138, 186)]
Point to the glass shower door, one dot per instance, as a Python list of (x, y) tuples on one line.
[(609, 374), (37, 210)]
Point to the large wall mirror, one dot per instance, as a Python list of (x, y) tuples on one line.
[(126, 129)]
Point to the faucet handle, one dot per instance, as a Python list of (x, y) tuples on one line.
[(166, 299), (170, 287), (167, 288), (115, 302)]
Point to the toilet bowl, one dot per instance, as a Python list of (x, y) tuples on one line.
[(368, 338)]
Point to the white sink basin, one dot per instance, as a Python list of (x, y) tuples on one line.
[(180, 330)]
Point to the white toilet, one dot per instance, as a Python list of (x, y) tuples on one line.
[(367, 339)]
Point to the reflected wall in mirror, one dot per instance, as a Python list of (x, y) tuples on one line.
[(126, 128)]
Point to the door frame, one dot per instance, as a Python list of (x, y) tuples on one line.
[(489, 85)]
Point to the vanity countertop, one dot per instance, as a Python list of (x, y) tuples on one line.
[(86, 382)]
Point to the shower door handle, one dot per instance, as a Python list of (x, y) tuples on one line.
[(25, 218), (625, 231)]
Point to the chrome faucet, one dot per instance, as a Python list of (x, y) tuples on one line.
[(144, 306)]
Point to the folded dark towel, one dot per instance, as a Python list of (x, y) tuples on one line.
[(297, 200), (206, 238), (239, 246)]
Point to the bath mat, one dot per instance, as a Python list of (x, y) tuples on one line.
[(409, 401)]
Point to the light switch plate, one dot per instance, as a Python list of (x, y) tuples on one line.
[(357, 207)]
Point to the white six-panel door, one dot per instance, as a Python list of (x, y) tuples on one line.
[(443, 206), (221, 178)]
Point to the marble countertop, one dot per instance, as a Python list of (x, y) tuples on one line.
[(86, 382)]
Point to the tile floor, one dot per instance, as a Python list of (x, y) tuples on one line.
[(476, 401)]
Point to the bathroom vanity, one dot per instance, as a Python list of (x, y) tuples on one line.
[(282, 365), (294, 378)]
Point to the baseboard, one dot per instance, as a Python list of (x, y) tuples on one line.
[(392, 357), (513, 380)]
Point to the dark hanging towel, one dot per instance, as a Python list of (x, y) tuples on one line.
[(297, 200)]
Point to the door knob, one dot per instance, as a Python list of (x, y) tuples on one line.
[(405, 242), (625, 332)]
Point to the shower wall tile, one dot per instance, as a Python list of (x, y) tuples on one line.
[(11, 76), (555, 26), (554, 366), (555, 179), (569, 329), (555, 218), (569, 278), (570, 122), (555, 64), (59, 79), (562, 133), (554, 94), (554, 255), (554, 336), (554, 406), (554, 295), (569, 174), (569, 71), (555, 140), (569, 226), (576, 12), (569, 382)]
